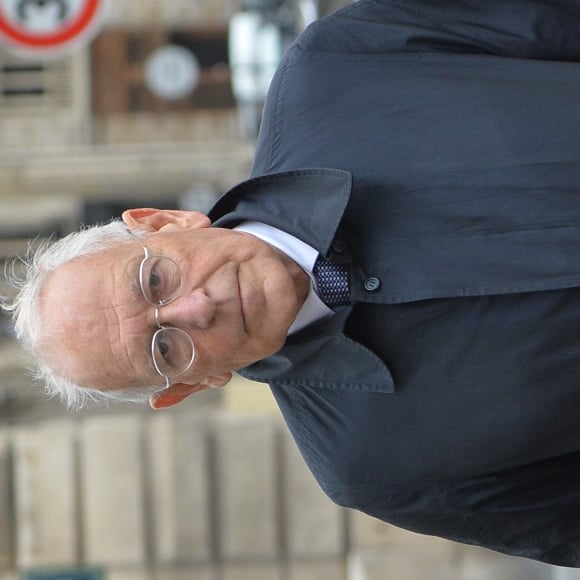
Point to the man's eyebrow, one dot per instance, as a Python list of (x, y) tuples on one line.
[(132, 278), (135, 292)]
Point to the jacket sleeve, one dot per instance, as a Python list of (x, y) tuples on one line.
[(535, 29), (531, 511)]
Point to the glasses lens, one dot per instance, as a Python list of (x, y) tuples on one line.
[(160, 280), (173, 351)]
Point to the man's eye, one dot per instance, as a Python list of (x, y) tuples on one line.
[(156, 286), (163, 347), (154, 280), (160, 279)]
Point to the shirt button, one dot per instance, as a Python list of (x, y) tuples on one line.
[(372, 284), (338, 246)]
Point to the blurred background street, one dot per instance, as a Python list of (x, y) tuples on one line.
[(159, 104)]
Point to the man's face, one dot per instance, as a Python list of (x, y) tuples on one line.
[(239, 298)]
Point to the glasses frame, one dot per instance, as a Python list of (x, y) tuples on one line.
[(160, 326)]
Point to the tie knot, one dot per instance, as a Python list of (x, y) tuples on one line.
[(332, 282)]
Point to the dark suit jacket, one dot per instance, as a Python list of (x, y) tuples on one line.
[(446, 399)]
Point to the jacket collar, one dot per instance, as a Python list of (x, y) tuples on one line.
[(322, 356), (307, 203)]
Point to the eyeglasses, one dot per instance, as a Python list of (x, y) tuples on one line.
[(172, 349)]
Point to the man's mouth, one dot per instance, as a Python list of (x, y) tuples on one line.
[(241, 300)]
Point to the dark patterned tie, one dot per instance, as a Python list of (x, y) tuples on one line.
[(332, 282)]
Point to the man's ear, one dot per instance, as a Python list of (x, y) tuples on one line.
[(155, 220), (180, 391), (172, 396)]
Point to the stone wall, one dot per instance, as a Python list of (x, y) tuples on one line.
[(213, 496), (165, 497)]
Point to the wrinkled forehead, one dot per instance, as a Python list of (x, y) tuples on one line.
[(83, 307), (96, 280)]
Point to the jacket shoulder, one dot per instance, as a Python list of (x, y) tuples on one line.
[(537, 29)]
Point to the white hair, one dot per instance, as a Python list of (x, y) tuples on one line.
[(41, 261)]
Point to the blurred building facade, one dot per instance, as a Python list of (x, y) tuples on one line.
[(88, 126)]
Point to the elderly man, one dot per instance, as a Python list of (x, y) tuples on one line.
[(427, 154)]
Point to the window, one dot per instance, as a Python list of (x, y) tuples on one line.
[(34, 87), (118, 63)]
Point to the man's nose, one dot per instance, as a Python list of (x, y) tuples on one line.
[(193, 309)]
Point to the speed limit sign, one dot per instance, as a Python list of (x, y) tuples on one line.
[(45, 28)]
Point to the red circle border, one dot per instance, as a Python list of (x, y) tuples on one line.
[(69, 33)]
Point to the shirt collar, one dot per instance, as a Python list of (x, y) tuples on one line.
[(305, 256)]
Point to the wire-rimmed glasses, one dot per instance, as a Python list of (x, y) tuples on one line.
[(172, 349)]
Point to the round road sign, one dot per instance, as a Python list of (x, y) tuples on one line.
[(48, 27)]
